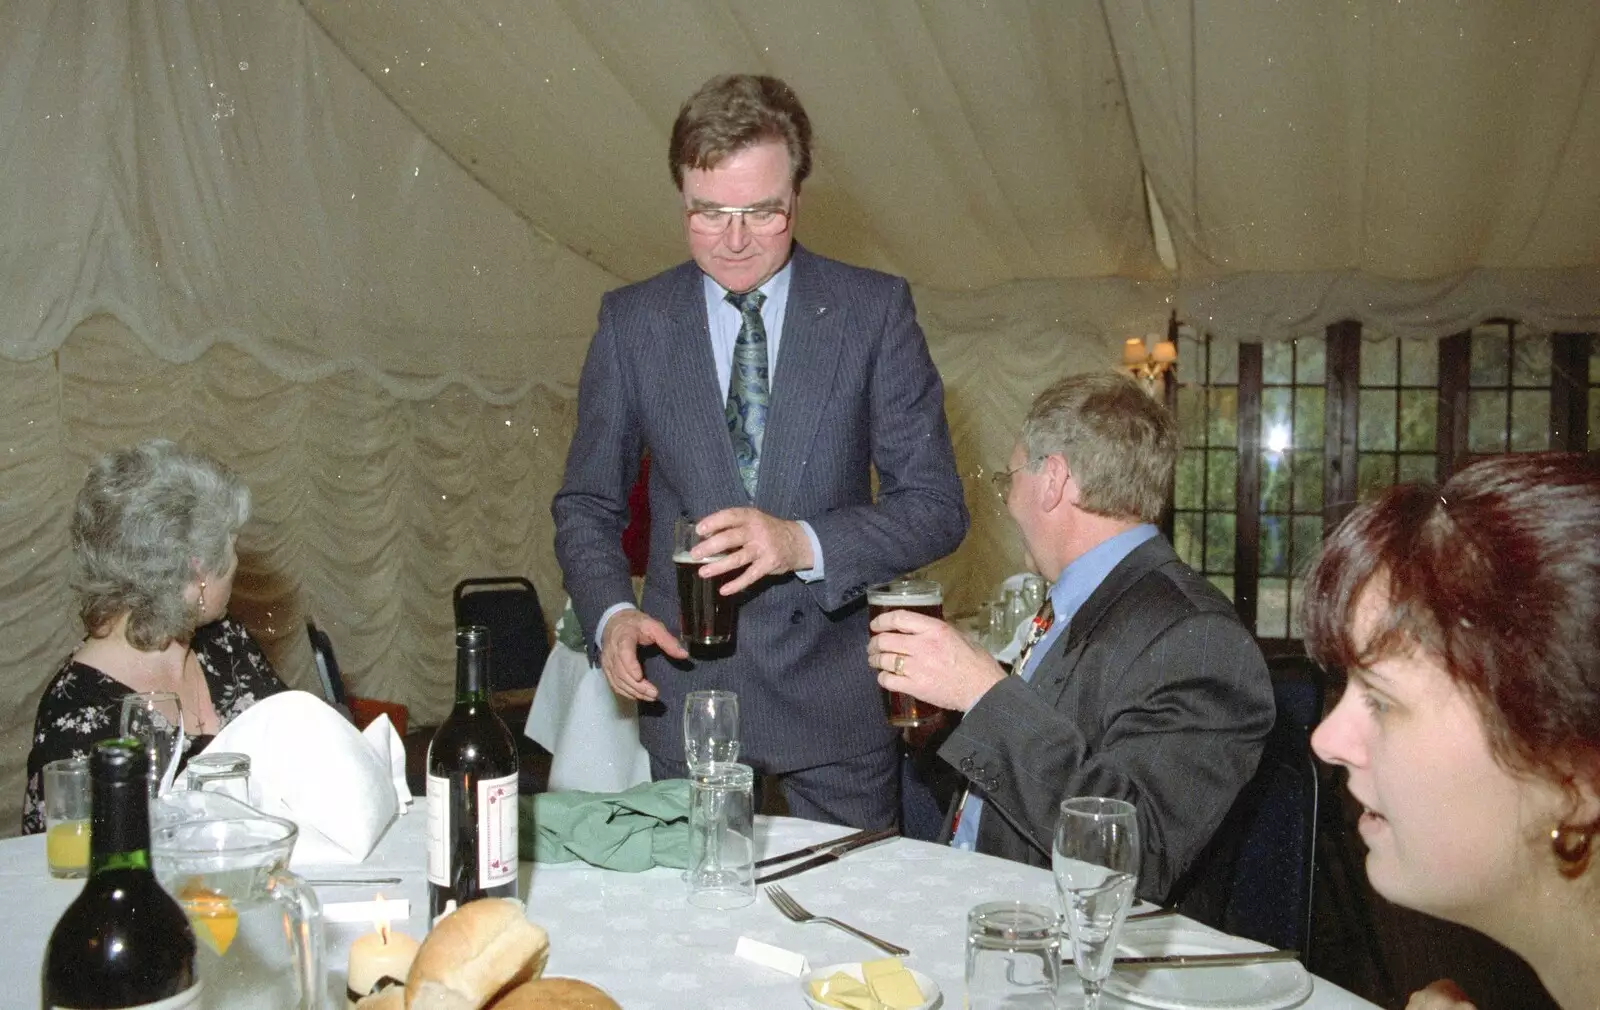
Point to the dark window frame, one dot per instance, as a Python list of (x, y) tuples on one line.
[(1570, 392)]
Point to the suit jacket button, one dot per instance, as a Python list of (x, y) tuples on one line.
[(796, 617), (966, 765)]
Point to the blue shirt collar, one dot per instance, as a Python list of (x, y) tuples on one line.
[(1083, 576), (776, 288)]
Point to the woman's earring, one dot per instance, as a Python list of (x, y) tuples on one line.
[(202, 596), (1572, 848)]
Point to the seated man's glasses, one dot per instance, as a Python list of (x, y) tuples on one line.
[(757, 220), (1002, 478)]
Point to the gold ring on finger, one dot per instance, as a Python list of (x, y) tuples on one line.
[(899, 666)]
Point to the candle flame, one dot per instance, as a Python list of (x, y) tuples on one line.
[(381, 924)]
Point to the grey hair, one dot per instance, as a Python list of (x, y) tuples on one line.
[(1120, 444), (148, 520)]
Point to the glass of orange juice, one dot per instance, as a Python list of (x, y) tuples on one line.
[(66, 817)]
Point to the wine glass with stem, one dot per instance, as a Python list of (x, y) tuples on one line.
[(1096, 864), (710, 730), (155, 719)]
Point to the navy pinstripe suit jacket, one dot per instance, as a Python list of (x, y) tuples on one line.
[(854, 388), (1156, 694)]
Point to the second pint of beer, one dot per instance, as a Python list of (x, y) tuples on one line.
[(925, 597)]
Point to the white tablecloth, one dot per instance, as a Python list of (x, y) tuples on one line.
[(591, 734), (634, 934)]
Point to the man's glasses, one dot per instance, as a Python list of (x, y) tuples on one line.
[(1001, 479), (757, 220)]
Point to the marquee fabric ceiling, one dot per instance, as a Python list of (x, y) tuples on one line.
[(1368, 149)]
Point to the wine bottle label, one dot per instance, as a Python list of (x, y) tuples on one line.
[(189, 999), (497, 831), (439, 830)]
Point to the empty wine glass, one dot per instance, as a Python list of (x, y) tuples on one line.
[(1096, 864), (710, 730), (155, 719)]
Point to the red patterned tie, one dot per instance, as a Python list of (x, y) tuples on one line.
[(1041, 624)]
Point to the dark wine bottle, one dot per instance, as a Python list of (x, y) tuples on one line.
[(124, 942), (472, 790)]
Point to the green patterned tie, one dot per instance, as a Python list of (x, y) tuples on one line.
[(749, 394)]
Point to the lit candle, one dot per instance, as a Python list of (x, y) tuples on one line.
[(382, 953)]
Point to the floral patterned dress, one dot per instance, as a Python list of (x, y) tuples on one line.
[(82, 705)]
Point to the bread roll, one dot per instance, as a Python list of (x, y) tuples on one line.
[(474, 953), (555, 994)]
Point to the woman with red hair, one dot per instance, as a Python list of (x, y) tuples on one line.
[(1468, 620)]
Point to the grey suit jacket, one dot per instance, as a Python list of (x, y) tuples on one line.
[(1155, 694), (854, 389)]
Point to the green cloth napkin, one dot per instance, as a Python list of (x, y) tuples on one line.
[(633, 830)]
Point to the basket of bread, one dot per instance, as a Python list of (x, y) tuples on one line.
[(486, 955)]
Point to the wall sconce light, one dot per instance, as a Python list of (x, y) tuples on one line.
[(1150, 363)]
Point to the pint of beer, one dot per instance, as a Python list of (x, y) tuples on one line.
[(925, 597), (707, 616)]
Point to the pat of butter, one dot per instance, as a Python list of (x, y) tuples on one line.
[(888, 986), (897, 990), (882, 966)]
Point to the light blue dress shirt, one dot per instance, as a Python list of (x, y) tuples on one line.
[(1077, 583)]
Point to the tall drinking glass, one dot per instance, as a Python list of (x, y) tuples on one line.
[(66, 817), (710, 740), (1096, 864), (923, 596), (155, 719), (708, 617)]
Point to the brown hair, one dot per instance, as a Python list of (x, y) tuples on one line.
[(736, 111), (1120, 444), (1498, 575)]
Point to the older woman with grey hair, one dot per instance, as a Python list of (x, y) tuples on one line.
[(153, 535)]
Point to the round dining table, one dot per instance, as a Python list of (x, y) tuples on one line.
[(636, 936)]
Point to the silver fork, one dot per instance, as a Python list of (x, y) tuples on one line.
[(791, 910)]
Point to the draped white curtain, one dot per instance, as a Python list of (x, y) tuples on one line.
[(357, 252)]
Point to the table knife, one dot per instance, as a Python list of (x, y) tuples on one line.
[(832, 854), (1202, 960), (809, 849)]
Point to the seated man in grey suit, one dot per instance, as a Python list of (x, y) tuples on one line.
[(1140, 682)]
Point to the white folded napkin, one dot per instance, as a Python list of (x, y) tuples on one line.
[(343, 787), (591, 734)]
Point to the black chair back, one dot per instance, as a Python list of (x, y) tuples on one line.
[(519, 641), (327, 666), (1276, 813)]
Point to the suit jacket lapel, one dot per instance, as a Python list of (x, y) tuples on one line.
[(684, 341), (1056, 669), (813, 331)]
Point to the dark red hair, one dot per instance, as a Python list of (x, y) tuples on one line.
[(1497, 573)]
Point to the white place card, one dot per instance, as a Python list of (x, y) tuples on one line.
[(768, 956)]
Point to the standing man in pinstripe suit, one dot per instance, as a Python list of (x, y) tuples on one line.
[(768, 384), (1139, 682)]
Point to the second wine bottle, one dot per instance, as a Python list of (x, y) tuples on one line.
[(472, 790)]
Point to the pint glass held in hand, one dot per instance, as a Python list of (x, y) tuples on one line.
[(708, 616), (923, 596)]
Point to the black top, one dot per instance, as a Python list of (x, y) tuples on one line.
[(82, 705)]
